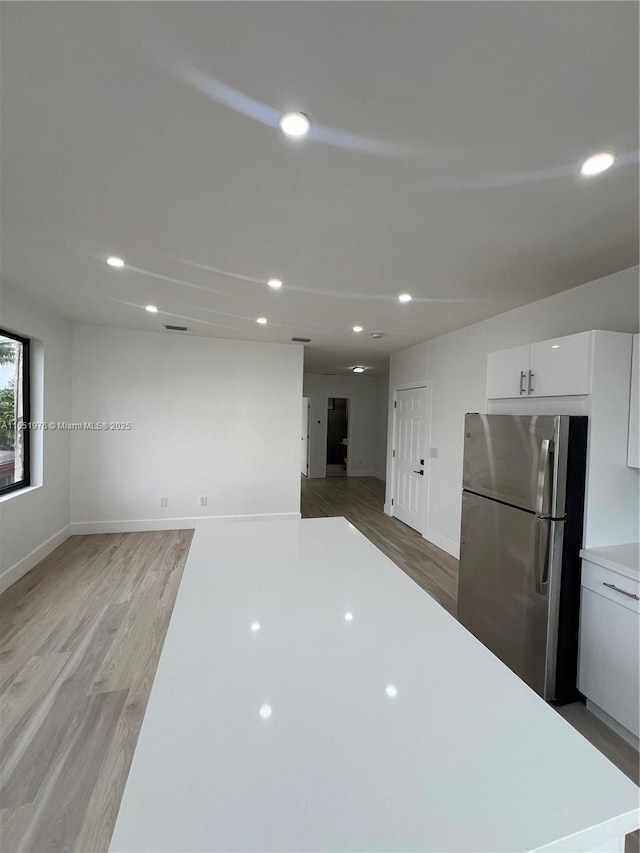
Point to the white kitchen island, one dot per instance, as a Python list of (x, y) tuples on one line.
[(311, 697)]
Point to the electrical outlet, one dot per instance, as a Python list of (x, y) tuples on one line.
[(203, 500), (164, 502), (433, 452)]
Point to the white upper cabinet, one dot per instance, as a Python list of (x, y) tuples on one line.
[(561, 367), (633, 456), (557, 368), (507, 372)]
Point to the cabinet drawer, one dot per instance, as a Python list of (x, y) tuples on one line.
[(611, 585)]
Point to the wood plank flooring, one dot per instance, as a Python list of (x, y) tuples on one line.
[(361, 501), (80, 640)]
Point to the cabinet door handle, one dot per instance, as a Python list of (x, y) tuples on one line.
[(531, 388), (523, 377), (623, 591)]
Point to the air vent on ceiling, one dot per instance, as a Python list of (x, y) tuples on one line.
[(175, 328), (301, 340)]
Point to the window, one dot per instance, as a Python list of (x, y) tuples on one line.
[(14, 412)]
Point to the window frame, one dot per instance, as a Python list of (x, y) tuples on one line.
[(25, 482)]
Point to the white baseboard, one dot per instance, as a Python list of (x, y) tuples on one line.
[(387, 509), (379, 475), (20, 569), (360, 474), (613, 724), (441, 541), (82, 528)]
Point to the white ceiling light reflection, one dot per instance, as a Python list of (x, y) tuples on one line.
[(596, 164), (113, 261), (255, 627), (391, 690), (294, 124), (348, 616), (275, 283), (265, 711)]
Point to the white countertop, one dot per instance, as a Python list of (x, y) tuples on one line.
[(624, 559), (395, 730)]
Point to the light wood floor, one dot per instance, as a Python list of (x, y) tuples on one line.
[(361, 501), (80, 640)]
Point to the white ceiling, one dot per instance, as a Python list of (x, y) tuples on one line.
[(443, 162)]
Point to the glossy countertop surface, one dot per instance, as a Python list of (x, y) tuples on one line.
[(310, 696), (624, 559)]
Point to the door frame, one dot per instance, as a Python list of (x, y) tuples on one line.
[(391, 462), (325, 421), (308, 399)]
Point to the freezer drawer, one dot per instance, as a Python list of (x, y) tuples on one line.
[(517, 459), (509, 583)]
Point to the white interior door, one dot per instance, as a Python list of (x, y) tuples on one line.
[(411, 439), (304, 434)]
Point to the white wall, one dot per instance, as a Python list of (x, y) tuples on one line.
[(455, 366), (382, 417), (209, 417), (35, 521), (367, 421)]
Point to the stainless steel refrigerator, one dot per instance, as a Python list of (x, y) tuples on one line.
[(522, 509)]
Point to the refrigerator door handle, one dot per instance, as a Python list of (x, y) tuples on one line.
[(546, 448), (542, 555)]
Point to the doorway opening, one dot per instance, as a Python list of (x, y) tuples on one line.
[(337, 436)]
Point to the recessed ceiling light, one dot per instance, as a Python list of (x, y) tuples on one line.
[(405, 297), (275, 283), (255, 627), (391, 690), (596, 164), (261, 320), (113, 261), (151, 309), (348, 616), (357, 328), (555, 346), (358, 369), (294, 124), (265, 712)]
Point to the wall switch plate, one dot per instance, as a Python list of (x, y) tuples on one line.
[(433, 452), (164, 502), (203, 500)]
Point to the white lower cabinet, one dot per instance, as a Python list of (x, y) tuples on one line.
[(609, 665)]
